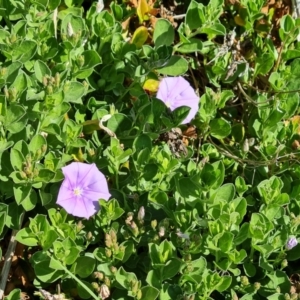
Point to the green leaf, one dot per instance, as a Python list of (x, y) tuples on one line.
[(214, 30), (25, 51), (41, 70), (14, 295), (14, 114), (17, 159), (13, 218), (75, 90), (179, 114), (124, 278), (45, 273), (26, 237), (149, 292), (194, 45), (21, 192), (225, 242), (192, 19), (224, 283), (36, 145), (82, 293), (176, 65), (219, 128), (44, 175), (91, 60), (264, 64), (163, 33), (3, 214), (84, 266), (171, 268)]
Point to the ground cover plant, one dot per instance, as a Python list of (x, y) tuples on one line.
[(149, 150)]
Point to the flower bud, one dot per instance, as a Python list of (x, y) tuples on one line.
[(189, 268), (49, 90), (99, 275), (3, 72), (89, 236), (129, 218), (13, 38), (44, 148), (257, 286), (287, 296), (85, 85), (23, 175), (134, 228), (291, 243), (6, 94), (38, 154), (139, 295), (116, 247), (36, 172), (107, 281), (95, 286), (113, 236), (108, 241), (246, 146), (113, 269), (80, 60), (153, 224), (294, 296), (278, 290), (244, 280), (166, 223), (108, 252), (57, 79), (104, 291), (284, 264), (45, 80), (12, 92), (79, 226), (162, 231), (141, 213), (135, 286), (44, 134), (44, 49)]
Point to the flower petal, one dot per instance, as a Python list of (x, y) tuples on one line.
[(83, 186), (176, 92), (71, 174)]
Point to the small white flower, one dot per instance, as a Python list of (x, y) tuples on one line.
[(99, 6)]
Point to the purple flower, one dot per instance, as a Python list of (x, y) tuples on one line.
[(291, 243), (176, 92), (81, 189)]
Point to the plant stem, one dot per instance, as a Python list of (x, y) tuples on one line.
[(81, 283), (8, 259)]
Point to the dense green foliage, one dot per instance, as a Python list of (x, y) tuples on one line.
[(206, 215)]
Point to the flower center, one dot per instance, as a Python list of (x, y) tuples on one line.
[(77, 191)]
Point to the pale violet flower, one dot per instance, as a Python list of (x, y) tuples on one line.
[(291, 243), (183, 235), (81, 189), (176, 92)]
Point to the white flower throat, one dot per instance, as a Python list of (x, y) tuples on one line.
[(77, 191)]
